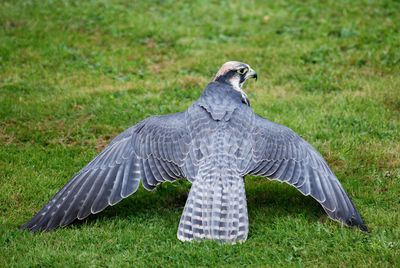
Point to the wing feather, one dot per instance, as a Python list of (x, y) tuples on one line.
[(153, 151), (279, 153)]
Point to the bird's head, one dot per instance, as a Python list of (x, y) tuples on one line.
[(235, 74)]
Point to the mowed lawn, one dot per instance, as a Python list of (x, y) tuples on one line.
[(73, 74)]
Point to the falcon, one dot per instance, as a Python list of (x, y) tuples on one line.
[(213, 144)]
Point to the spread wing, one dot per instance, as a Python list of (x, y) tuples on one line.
[(152, 151), (280, 154)]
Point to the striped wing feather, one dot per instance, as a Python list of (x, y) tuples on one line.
[(152, 151), (280, 154)]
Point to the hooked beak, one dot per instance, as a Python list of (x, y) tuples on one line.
[(251, 74)]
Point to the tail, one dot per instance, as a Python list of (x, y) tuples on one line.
[(216, 209)]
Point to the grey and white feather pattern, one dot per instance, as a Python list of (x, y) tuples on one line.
[(214, 144)]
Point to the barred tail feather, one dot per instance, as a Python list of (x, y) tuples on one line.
[(216, 209)]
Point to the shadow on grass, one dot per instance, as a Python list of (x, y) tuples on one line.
[(266, 201)]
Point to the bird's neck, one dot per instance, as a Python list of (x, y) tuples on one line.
[(226, 87), (235, 84)]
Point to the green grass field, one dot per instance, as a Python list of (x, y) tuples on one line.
[(73, 75)]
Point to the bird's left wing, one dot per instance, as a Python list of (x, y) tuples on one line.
[(279, 153), (152, 151)]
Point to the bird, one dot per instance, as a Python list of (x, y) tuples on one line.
[(213, 144)]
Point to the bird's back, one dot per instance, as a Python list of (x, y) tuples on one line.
[(218, 123), (216, 207)]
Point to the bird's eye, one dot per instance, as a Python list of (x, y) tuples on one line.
[(242, 70)]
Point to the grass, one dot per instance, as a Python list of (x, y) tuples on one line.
[(73, 75)]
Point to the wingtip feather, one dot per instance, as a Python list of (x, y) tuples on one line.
[(358, 222)]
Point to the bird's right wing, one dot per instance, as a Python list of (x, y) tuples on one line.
[(279, 153), (152, 151)]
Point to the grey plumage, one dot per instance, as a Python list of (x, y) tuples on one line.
[(214, 144)]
